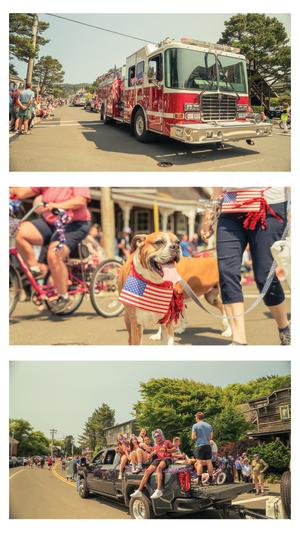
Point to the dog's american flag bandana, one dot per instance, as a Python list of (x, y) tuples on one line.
[(146, 295)]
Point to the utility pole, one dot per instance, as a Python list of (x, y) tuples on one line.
[(52, 433), (35, 27), (107, 221)]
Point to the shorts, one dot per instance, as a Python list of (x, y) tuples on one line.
[(75, 232), (203, 453), (167, 460), (24, 113), (258, 478)]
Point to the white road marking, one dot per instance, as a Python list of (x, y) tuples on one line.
[(83, 124), (240, 502), (16, 473)]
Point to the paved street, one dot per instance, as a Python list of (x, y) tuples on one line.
[(32, 327), (36, 493), (75, 140)]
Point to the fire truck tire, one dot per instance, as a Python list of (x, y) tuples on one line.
[(139, 127), (104, 117), (285, 492)]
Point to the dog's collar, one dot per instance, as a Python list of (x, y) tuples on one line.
[(163, 285)]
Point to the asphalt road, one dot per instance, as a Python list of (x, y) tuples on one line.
[(36, 493), (30, 327), (75, 140)]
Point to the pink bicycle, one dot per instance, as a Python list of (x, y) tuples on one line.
[(99, 282)]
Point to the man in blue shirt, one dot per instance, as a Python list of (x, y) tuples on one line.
[(202, 434), (25, 102)]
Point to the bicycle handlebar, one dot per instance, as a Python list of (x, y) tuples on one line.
[(15, 203)]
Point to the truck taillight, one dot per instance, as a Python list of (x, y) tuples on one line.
[(184, 480)]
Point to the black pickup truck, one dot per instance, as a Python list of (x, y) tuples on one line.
[(181, 494)]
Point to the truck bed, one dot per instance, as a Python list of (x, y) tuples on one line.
[(219, 493)]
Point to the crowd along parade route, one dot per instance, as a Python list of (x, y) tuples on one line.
[(29, 326), (76, 140), (40, 493)]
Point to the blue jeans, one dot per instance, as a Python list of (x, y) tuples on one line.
[(232, 240)]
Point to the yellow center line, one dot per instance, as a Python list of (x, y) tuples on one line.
[(18, 472), (59, 476)]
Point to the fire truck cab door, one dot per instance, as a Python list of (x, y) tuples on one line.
[(155, 94)]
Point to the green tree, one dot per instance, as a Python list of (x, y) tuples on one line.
[(20, 37), (30, 442), (238, 393), (68, 441), (264, 41), (93, 434), (275, 453), (48, 73), (230, 425), (172, 403)]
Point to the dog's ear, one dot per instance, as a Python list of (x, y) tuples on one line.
[(138, 241)]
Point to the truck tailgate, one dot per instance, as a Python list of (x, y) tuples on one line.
[(219, 493)]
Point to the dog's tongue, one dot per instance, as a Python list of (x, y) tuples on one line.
[(170, 273)]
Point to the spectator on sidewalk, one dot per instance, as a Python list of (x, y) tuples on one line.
[(246, 470), (238, 469), (25, 101), (185, 246)]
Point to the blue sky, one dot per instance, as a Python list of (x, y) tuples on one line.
[(85, 52), (64, 394)]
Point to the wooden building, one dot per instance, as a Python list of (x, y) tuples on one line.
[(112, 432), (179, 208), (271, 415)]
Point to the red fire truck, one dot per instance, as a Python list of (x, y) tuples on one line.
[(192, 91)]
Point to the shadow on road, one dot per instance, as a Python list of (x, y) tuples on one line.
[(161, 149)]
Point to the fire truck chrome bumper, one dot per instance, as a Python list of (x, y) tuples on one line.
[(211, 133)]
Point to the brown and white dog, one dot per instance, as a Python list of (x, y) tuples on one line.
[(151, 255), (154, 257)]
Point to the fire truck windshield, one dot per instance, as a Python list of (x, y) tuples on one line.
[(194, 69), (232, 74)]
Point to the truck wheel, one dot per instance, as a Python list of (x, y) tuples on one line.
[(140, 508), (139, 127), (104, 117), (285, 492), (83, 490)]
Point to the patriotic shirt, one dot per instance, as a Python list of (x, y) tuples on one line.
[(273, 195), (242, 200), (146, 295)]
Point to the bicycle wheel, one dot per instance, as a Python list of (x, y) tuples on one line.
[(14, 289), (104, 289), (75, 301), (221, 478)]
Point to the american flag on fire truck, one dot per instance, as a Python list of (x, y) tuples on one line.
[(242, 200), (116, 85)]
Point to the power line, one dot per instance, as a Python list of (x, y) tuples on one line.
[(99, 28)]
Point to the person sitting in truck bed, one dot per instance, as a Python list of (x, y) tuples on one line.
[(179, 457), (161, 458), (123, 449), (142, 455)]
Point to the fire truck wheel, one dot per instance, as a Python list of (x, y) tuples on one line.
[(139, 127), (104, 117)]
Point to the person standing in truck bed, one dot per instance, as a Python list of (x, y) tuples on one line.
[(202, 434)]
